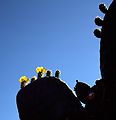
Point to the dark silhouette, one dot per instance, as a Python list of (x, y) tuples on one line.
[(100, 99), (49, 98), (92, 97)]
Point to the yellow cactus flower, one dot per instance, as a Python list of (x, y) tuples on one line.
[(24, 79), (41, 70)]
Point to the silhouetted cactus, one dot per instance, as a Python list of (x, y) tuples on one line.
[(103, 100), (49, 98)]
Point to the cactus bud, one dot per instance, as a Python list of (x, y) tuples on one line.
[(97, 33), (48, 73), (103, 8), (57, 73), (34, 78), (98, 21)]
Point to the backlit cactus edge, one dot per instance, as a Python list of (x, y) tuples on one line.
[(41, 72)]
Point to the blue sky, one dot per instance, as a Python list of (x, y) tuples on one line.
[(56, 34)]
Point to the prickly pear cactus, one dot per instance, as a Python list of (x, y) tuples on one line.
[(107, 36), (47, 98), (100, 99)]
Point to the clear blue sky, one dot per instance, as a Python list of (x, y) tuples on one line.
[(56, 34)]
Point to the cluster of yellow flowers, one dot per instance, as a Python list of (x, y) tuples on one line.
[(41, 70), (25, 79)]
